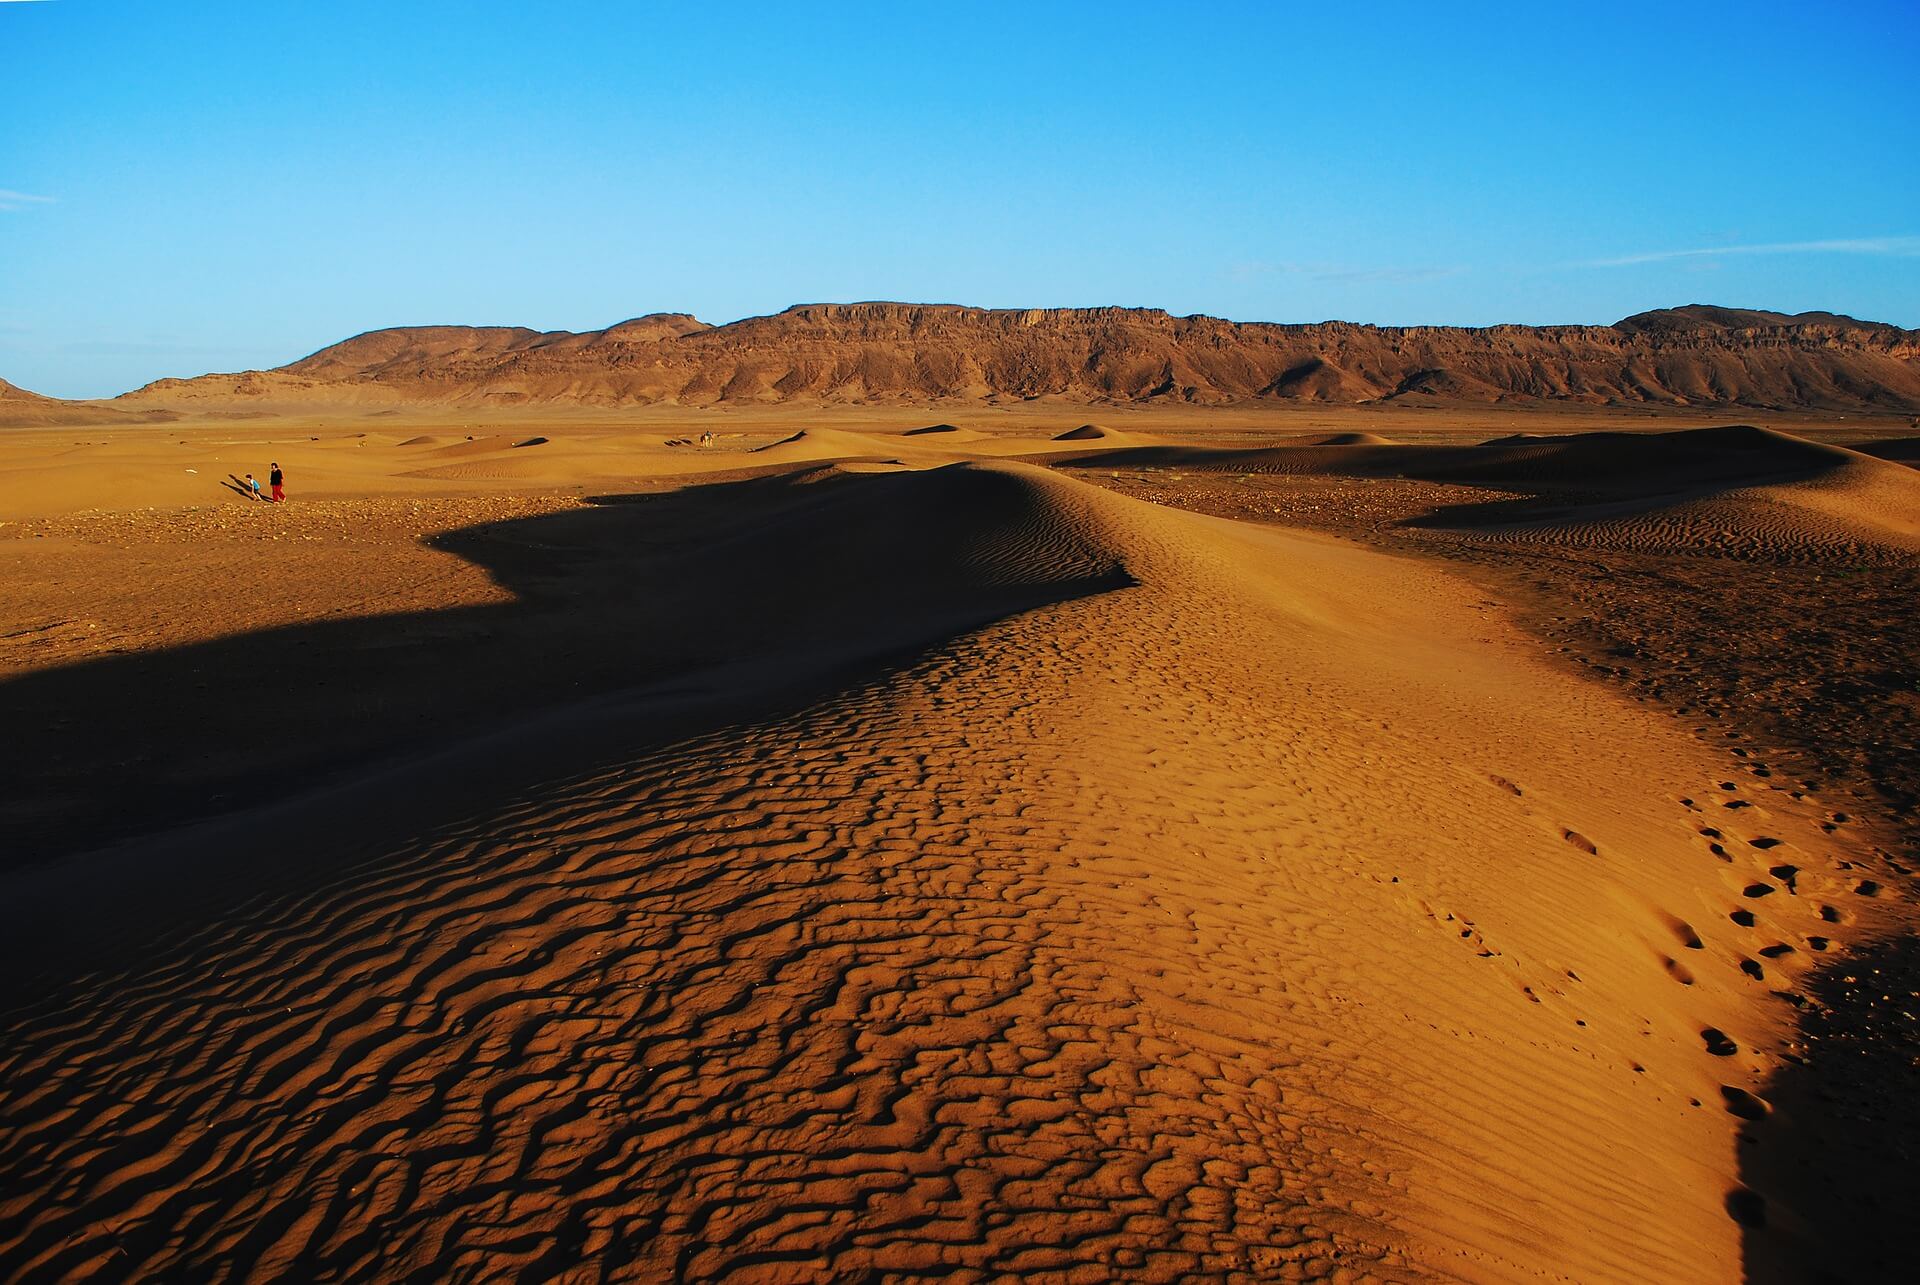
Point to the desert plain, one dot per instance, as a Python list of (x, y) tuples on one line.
[(1244, 841)]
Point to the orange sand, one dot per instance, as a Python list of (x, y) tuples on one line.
[(975, 872)]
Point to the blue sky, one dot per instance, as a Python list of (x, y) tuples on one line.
[(188, 187)]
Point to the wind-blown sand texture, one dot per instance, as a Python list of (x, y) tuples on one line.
[(1727, 490), (956, 869)]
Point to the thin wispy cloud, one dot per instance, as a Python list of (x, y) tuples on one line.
[(1340, 272), (1902, 247), (20, 200)]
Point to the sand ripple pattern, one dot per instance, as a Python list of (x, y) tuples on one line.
[(1168, 933)]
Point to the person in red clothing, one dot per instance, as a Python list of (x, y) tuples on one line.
[(274, 480)]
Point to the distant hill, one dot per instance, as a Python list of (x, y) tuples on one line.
[(924, 353), (1702, 317), (22, 409)]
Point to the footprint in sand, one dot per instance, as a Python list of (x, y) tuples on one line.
[(1683, 932), (1717, 1042)]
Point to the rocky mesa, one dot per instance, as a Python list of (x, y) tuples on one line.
[(923, 353)]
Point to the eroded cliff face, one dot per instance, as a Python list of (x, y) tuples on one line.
[(890, 352)]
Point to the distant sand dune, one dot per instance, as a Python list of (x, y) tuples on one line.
[(946, 433), (468, 470), (1144, 896), (475, 446), (1904, 450), (1089, 433), (1352, 439), (1108, 439), (1736, 490)]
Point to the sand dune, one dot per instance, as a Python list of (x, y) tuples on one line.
[(1090, 433), (1856, 512), (1054, 883), (916, 448), (945, 433), (816, 444), (1107, 439), (1351, 439), (1733, 489), (1903, 450), (1703, 456)]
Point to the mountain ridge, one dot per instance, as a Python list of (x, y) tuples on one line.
[(884, 352)]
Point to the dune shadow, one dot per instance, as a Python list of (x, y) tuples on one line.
[(1545, 506), (1593, 467), (803, 577), (1827, 1167)]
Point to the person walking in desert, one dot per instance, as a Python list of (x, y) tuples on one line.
[(253, 487), (275, 480)]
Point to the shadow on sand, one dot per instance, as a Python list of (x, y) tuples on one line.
[(687, 611), (1828, 1167), (714, 603)]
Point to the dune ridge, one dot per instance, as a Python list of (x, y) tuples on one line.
[(1735, 490), (924, 353), (1082, 939)]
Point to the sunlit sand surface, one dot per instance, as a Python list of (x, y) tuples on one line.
[(876, 848)]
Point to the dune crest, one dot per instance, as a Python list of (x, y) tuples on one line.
[(1737, 491), (1351, 439)]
